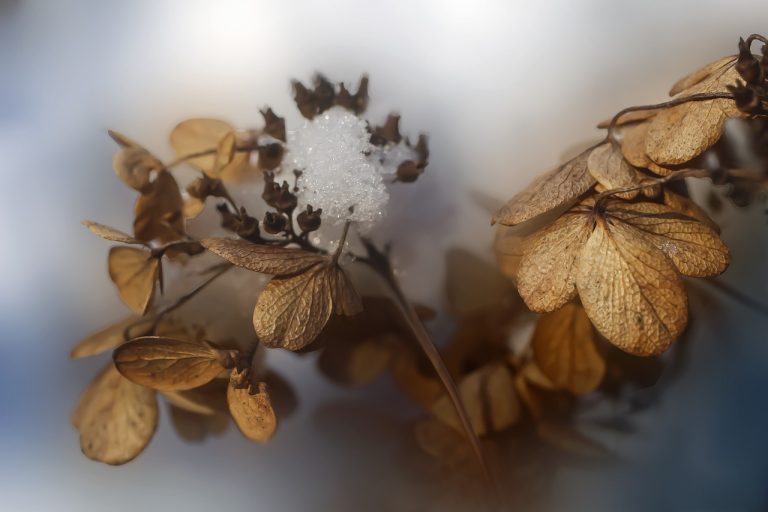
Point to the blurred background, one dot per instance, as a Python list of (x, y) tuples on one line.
[(502, 88)]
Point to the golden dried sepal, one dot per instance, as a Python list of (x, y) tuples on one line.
[(564, 350), (110, 337), (290, 312), (489, 397), (134, 272), (115, 417), (168, 364), (547, 272), (251, 408), (109, 233), (680, 133), (158, 211), (631, 290), (267, 259), (607, 165), (687, 206), (694, 248), (556, 188), (633, 143)]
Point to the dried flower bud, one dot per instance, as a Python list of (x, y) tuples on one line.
[(305, 100), (389, 132), (746, 98), (408, 171), (357, 102), (274, 223), (205, 186), (274, 126), (248, 227), (270, 155), (229, 220), (271, 189), (747, 65), (309, 219), (422, 149), (325, 94)]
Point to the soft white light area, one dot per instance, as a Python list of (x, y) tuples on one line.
[(333, 152)]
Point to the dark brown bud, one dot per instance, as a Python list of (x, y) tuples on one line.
[(309, 219), (389, 132), (274, 126), (408, 171), (270, 155), (286, 201), (305, 100), (746, 98), (324, 93), (248, 227), (422, 149), (274, 223), (747, 65), (204, 187), (271, 189), (229, 220), (357, 102)]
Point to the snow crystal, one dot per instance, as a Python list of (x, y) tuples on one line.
[(339, 169)]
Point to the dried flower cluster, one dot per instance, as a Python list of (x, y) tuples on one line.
[(599, 247)]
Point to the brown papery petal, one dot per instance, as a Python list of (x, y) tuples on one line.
[(565, 351), (697, 76), (109, 233), (251, 408), (547, 273), (158, 211), (133, 165), (134, 272), (631, 291), (167, 364), (694, 248), (267, 259), (607, 165), (556, 188), (489, 396), (291, 312), (633, 143), (116, 418), (678, 134), (196, 135), (225, 152)]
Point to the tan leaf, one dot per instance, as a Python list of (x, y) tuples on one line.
[(472, 284), (565, 351), (167, 364), (158, 211), (109, 233), (291, 311), (694, 248), (547, 274), (678, 134), (110, 337), (115, 417), (267, 259), (134, 272), (251, 408), (697, 76), (631, 290), (558, 187), (607, 165), (122, 140), (489, 397)]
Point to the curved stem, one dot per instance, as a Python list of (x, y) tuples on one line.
[(667, 104), (677, 175)]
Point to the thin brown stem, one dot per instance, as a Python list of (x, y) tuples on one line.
[(342, 241), (380, 264), (677, 175), (666, 104), (203, 152)]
